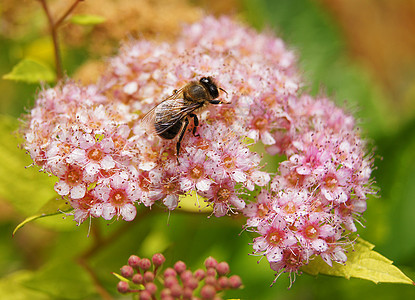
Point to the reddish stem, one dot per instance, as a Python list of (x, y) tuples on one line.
[(99, 244), (53, 27), (67, 13)]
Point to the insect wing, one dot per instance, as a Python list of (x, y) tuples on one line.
[(167, 113), (147, 122), (171, 111)]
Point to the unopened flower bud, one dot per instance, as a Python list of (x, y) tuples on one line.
[(222, 268), (127, 271), (170, 281), (184, 276), (223, 282), (200, 274), (208, 292), (151, 287), (176, 290), (210, 280), (137, 278), (211, 272), (235, 281), (191, 283), (144, 264), (180, 266), (123, 287), (158, 259), (148, 276), (133, 261), (210, 262), (145, 295), (165, 294), (170, 272)]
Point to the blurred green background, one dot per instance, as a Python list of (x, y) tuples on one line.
[(360, 53)]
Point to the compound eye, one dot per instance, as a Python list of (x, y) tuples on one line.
[(213, 91), (212, 88)]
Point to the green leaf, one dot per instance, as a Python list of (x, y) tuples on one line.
[(194, 203), (26, 189), (362, 263), (62, 279), (51, 208), (122, 278), (396, 176), (11, 287), (31, 71), (87, 20)]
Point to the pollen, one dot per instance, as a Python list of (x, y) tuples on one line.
[(261, 123), (119, 142), (229, 116), (311, 232), (229, 162), (197, 172), (170, 186), (294, 178), (274, 238), (87, 202), (331, 181), (73, 176), (118, 198), (144, 183), (65, 148), (95, 154), (262, 210), (223, 194), (293, 259), (290, 208)]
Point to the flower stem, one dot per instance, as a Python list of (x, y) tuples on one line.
[(67, 13), (98, 244), (99, 288), (53, 27)]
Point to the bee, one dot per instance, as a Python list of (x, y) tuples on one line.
[(171, 116)]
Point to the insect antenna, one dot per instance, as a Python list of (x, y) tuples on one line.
[(224, 91)]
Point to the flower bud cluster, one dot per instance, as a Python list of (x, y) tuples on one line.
[(178, 282)]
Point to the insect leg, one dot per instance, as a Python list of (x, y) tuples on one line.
[(215, 102), (196, 121), (186, 122)]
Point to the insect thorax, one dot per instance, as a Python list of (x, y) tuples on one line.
[(195, 92)]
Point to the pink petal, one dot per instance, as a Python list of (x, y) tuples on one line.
[(78, 191), (220, 209), (171, 201), (107, 162), (96, 210), (92, 169), (186, 184), (238, 176), (319, 245), (267, 138), (237, 202), (108, 211), (128, 212), (62, 188), (274, 254), (203, 185)]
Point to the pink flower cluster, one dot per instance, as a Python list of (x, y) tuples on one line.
[(319, 191), (92, 139)]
